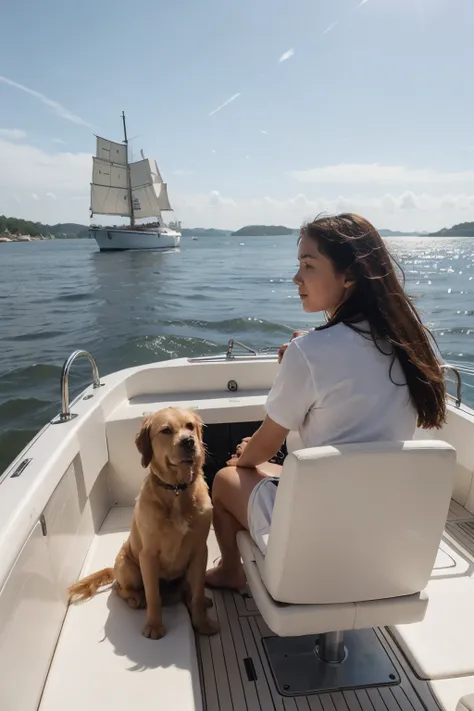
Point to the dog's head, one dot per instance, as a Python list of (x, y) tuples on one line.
[(171, 440)]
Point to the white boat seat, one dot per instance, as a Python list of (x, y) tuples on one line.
[(102, 661), (369, 565), (440, 646), (466, 703)]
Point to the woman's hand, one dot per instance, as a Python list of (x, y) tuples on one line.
[(261, 447), (283, 348), (238, 451)]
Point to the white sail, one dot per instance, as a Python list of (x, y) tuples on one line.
[(109, 174), (157, 173), (146, 201), (110, 151), (150, 195), (110, 201), (163, 198), (142, 172), (113, 178)]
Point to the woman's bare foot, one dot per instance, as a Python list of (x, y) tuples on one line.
[(219, 577)]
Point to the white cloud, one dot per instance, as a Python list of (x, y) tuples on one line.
[(357, 173), (287, 55), (215, 199), (363, 2), (23, 166), (28, 173), (12, 134), (404, 211), (226, 103), (58, 108), (396, 197), (265, 133), (59, 140), (331, 27)]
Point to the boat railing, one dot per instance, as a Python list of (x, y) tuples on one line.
[(236, 350), (66, 415)]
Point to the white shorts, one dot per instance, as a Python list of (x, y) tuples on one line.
[(260, 509)]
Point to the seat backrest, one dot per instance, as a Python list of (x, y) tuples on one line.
[(358, 522)]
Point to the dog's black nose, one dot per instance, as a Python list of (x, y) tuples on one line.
[(188, 443)]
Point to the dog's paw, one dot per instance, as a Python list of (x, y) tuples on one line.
[(137, 601), (206, 626), (153, 631)]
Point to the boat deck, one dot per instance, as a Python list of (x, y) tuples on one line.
[(102, 661)]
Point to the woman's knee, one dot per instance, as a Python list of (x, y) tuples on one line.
[(224, 482)]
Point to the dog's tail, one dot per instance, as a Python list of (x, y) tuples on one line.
[(87, 587)]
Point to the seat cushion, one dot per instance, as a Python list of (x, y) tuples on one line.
[(441, 645), (102, 661), (451, 693), (293, 620), (466, 703)]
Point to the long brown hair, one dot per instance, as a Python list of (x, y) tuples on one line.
[(354, 246)]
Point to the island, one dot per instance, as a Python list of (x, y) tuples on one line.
[(401, 233), (14, 229), (464, 229), (203, 232), (259, 230)]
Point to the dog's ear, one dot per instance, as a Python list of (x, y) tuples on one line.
[(199, 424), (143, 443)]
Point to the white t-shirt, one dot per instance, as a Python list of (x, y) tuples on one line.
[(334, 387)]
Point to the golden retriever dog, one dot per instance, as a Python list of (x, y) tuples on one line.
[(167, 547)]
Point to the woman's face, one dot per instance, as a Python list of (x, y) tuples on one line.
[(320, 287)]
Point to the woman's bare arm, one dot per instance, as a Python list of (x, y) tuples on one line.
[(262, 446)]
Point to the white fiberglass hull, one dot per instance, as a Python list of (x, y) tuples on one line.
[(113, 239), (66, 507)]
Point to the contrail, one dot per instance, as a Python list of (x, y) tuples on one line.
[(289, 53), (55, 105), (229, 101), (332, 26)]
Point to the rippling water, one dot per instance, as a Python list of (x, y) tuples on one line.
[(130, 308)]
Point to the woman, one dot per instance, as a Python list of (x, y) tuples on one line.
[(369, 373)]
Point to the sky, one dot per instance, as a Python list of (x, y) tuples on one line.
[(257, 111)]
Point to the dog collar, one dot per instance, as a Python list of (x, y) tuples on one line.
[(177, 488)]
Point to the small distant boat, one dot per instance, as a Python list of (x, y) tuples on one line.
[(135, 190)]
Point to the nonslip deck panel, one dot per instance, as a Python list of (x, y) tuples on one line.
[(236, 674)]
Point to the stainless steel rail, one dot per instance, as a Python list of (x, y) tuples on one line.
[(66, 415)]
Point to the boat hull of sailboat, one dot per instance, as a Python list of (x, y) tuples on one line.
[(110, 240)]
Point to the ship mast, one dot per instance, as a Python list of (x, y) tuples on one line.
[(130, 196)]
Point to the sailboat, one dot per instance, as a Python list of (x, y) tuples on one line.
[(135, 190)]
